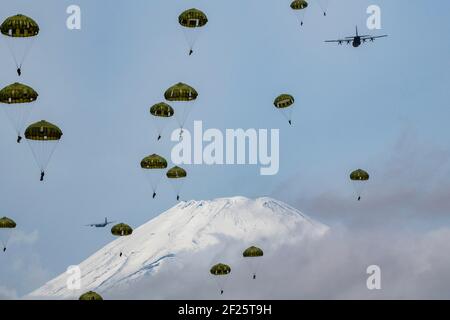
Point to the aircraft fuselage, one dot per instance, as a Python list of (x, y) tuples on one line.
[(356, 42)]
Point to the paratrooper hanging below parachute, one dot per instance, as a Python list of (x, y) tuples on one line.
[(18, 99), (192, 21), (182, 97), (121, 230), (299, 6), (43, 137), (161, 112), (176, 176), (250, 254), (359, 178), (154, 167), (220, 271), (19, 29), (285, 104), (7, 225)]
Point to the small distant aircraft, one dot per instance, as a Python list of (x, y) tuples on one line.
[(100, 225), (357, 40)]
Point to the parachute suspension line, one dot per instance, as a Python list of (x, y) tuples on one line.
[(254, 265), (154, 180), (42, 152), (27, 52), (18, 116), (5, 238), (11, 50), (302, 17), (182, 116), (191, 35), (287, 113), (19, 62), (220, 285)]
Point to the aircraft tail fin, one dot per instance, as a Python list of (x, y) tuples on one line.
[(356, 30)]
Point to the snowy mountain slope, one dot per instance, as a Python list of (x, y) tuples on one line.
[(188, 227)]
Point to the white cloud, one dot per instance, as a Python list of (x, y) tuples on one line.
[(7, 294), (20, 237), (413, 266)]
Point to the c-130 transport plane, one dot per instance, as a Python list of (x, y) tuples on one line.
[(100, 225), (357, 39)]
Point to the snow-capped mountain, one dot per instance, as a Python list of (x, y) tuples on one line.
[(180, 233)]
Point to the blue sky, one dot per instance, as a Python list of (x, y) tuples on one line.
[(97, 84)]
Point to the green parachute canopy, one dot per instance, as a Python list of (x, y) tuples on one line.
[(43, 131), (19, 26), (193, 18), (91, 295), (253, 252), (284, 101), (299, 4), (220, 270), (180, 92), (359, 175), (7, 223), (18, 93), (176, 173), (121, 230), (154, 161), (162, 110)]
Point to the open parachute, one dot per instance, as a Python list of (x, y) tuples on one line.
[(154, 168), (43, 137), (285, 104), (17, 99), (91, 295), (7, 226), (161, 113), (182, 97), (299, 8), (220, 272), (192, 21), (359, 178), (177, 176), (19, 32), (121, 230), (250, 254)]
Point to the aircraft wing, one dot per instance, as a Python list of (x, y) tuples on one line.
[(341, 41), (373, 37), (90, 225)]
